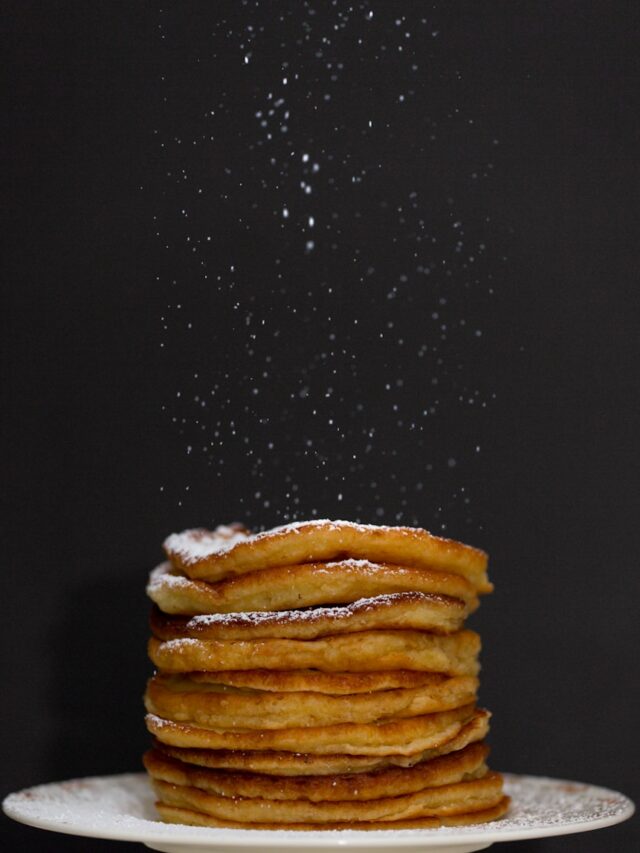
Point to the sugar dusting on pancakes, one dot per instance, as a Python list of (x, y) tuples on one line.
[(164, 575), (194, 545), (316, 614)]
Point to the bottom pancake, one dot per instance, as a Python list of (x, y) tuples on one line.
[(444, 800), (175, 814)]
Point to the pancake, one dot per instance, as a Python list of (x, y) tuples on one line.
[(219, 706), (459, 798), (318, 676), (225, 552), (404, 736), (447, 770), (176, 814), (305, 585), (307, 764), (424, 612), (301, 680), (454, 654)]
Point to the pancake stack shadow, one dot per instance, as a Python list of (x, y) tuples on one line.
[(318, 676)]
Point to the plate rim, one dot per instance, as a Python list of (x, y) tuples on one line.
[(203, 837)]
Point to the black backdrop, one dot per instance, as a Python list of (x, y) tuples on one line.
[(235, 297)]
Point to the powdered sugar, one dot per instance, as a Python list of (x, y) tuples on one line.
[(121, 807), (163, 575), (194, 545), (181, 644), (317, 614), (294, 526), (352, 563)]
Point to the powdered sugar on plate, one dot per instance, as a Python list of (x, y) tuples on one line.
[(121, 807)]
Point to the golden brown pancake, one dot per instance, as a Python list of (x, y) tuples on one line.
[(454, 654), (215, 555), (220, 706), (307, 764), (415, 610), (449, 769), (175, 814), (301, 680), (459, 798), (404, 737), (293, 587)]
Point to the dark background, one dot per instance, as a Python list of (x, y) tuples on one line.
[(157, 379)]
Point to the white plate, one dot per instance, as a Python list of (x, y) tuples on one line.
[(121, 807)]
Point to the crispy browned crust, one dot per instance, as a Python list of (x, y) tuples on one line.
[(404, 737), (175, 814), (459, 798), (218, 706), (447, 770), (293, 587), (453, 654), (307, 764), (321, 541), (439, 614)]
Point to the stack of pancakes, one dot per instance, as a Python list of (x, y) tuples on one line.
[(318, 676)]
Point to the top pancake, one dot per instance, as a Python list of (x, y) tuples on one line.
[(232, 550)]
